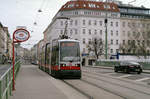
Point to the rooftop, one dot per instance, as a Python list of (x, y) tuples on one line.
[(90, 5)]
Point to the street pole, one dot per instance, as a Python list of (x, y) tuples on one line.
[(106, 37), (13, 65)]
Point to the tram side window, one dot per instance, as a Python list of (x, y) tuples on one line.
[(48, 55), (55, 52)]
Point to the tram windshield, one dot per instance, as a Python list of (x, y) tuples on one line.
[(69, 51)]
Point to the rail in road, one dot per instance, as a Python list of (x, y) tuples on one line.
[(96, 83), (6, 80)]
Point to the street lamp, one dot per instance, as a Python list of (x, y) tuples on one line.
[(106, 36)]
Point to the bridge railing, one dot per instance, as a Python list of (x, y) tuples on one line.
[(6, 81)]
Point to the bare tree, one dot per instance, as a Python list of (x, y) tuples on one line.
[(96, 46), (138, 44)]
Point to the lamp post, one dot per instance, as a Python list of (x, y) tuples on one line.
[(106, 36)]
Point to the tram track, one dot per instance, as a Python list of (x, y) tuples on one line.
[(103, 75), (123, 97), (114, 91), (79, 90), (88, 95)]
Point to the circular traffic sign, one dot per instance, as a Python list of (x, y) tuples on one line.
[(21, 35)]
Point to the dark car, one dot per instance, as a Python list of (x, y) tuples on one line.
[(128, 67)]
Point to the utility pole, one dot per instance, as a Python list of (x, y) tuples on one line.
[(106, 37)]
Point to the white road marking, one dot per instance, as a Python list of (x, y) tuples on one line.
[(124, 76), (146, 78)]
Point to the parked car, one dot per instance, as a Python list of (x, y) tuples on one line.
[(128, 67)]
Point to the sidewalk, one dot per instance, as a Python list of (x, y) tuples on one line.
[(32, 83)]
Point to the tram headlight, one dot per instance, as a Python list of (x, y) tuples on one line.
[(78, 65), (62, 65)]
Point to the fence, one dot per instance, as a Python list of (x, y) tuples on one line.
[(6, 81), (111, 63)]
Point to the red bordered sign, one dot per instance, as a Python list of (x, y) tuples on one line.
[(21, 35)]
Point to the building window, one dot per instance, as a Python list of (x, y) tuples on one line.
[(84, 5), (61, 23), (134, 33), (89, 32), (129, 42), (123, 24), (101, 32), (76, 22), (83, 31), (111, 41), (138, 41), (123, 41), (116, 42), (117, 50), (71, 32), (95, 32), (89, 41), (111, 24), (143, 42), (89, 22), (91, 5), (117, 33), (148, 43), (133, 24), (71, 21), (111, 50), (111, 32), (124, 33), (129, 34), (83, 50), (76, 13), (100, 23), (116, 24), (83, 22), (129, 24), (61, 31), (76, 31), (95, 22), (83, 40)]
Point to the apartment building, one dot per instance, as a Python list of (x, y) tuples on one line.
[(87, 21)]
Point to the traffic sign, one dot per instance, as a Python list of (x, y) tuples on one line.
[(21, 35)]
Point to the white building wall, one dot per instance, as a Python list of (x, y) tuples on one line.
[(76, 27)]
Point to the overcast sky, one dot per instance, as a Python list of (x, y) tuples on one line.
[(25, 12)]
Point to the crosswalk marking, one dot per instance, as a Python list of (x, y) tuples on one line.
[(124, 76), (146, 78)]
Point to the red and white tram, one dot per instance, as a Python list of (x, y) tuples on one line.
[(61, 58)]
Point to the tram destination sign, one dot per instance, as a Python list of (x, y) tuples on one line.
[(21, 35)]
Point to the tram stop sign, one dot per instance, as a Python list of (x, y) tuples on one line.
[(21, 35)]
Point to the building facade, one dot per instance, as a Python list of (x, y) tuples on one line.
[(87, 21)]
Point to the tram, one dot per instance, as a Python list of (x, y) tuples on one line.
[(61, 58)]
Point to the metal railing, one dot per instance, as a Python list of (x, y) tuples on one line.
[(6, 82)]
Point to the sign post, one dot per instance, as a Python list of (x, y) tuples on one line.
[(19, 35)]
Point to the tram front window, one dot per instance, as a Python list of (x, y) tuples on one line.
[(69, 51)]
